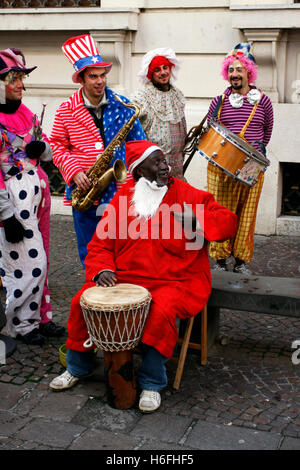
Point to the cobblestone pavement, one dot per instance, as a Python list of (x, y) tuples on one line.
[(246, 397)]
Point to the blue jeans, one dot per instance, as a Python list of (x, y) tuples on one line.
[(80, 363), (85, 224), (151, 375)]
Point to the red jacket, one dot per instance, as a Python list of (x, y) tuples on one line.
[(176, 272)]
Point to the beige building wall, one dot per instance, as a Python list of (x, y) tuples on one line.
[(202, 33)]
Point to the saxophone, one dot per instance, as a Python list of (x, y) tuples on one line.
[(98, 174)]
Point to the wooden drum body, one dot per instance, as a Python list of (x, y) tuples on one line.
[(232, 154), (115, 318)]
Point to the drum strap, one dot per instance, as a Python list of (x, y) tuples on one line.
[(218, 108), (241, 134)]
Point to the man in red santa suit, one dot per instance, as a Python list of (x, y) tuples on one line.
[(154, 233)]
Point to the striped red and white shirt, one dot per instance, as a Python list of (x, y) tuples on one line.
[(76, 142)]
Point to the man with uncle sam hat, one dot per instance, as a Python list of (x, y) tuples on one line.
[(246, 111), (83, 127)]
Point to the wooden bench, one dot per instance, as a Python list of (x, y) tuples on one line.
[(258, 294)]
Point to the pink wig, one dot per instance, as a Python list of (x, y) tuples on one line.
[(249, 65)]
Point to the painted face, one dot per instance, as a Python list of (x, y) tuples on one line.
[(161, 75), (237, 76), (155, 168), (14, 89), (94, 81)]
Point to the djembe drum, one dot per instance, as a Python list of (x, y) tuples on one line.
[(115, 318)]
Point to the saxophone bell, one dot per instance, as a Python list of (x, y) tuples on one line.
[(120, 171)]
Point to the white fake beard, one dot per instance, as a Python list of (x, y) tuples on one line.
[(147, 197)]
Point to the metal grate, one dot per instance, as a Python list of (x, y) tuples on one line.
[(49, 3), (57, 184), (291, 189)]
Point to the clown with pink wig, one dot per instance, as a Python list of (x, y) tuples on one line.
[(245, 110)]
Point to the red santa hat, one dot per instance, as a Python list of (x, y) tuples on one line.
[(82, 52), (137, 151)]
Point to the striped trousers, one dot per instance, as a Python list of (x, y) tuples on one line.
[(243, 201)]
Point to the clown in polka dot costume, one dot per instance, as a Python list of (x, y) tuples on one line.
[(24, 211)]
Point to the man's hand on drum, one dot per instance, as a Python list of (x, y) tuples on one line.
[(106, 279)]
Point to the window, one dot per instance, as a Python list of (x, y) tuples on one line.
[(290, 188)]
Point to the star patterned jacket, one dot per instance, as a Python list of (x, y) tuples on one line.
[(76, 142)]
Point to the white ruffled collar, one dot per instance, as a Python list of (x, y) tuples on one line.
[(253, 97), (167, 105)]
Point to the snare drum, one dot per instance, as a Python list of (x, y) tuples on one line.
[(232, 154), (115, 318)]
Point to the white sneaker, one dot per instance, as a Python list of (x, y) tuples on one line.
[(149, 401), (63, 381)]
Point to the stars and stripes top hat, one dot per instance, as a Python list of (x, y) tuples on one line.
[(82, 52)]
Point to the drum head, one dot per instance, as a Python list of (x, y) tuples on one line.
[(118, 295)]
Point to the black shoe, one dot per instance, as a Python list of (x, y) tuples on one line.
[(50, 329), (33, 338)]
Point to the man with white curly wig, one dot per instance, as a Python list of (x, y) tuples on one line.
[(162, 105)]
